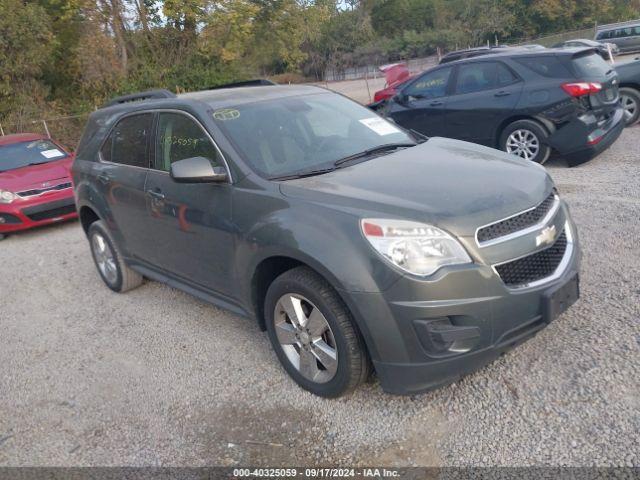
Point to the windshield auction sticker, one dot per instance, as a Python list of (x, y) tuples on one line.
[(226, 114), (380, 126), (53, 153)]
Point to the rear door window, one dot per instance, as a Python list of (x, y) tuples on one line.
[(506, 76), (128, 143), (548, 66), (475, 77)]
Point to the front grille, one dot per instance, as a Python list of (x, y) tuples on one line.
[(53, 213), (514, 224), (40, 191), (534, 267)]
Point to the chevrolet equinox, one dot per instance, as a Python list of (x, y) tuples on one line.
[(358, 246)]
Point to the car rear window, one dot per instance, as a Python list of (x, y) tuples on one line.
[(590, 65), (547, 66), (23, 154)]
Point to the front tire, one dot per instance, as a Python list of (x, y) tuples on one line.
[(630, 99), (109, 261), (313, 334), (526, 139)]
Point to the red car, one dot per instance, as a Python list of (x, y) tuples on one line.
[(395, 74), (35, 183)]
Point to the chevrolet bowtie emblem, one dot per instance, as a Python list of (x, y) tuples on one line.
[(547, 236)]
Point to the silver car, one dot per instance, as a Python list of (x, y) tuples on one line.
[(625, 35)]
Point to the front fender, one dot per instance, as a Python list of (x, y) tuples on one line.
[(327, 240)]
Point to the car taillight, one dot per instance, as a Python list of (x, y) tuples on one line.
[(580, 89), (383, 94)]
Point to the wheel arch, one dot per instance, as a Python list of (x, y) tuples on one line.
[(546, 124), (270, 267), (88, 215), (635, 86)]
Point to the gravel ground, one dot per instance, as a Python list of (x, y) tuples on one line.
[(156, 377)]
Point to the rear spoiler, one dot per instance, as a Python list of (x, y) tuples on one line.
[(584, 51), (258, 82), (140, 96)]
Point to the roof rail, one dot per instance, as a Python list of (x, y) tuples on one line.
[(258, 82), (140, 96), (609, 26)]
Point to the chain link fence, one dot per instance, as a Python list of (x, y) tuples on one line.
[(357, 82), (551, 40), (66, 130)]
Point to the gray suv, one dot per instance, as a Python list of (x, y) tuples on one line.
[(358, 246)]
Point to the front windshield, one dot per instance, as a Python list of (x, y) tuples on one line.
[(22, 154), (304, 133)]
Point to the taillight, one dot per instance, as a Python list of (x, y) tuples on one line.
[(383, 94), (580, 89)]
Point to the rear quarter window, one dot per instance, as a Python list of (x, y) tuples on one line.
[(547, 66)]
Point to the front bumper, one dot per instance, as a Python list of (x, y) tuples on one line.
[(572, 141), (37, 211), (472, 299)]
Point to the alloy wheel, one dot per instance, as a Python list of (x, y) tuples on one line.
[(629, 105), (306, 338), (105, 258), (523, 143)]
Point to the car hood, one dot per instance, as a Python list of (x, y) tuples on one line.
[(455, 185), (27, 178)]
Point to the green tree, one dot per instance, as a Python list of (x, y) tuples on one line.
[(26, 44)]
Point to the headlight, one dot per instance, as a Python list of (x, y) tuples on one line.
[(7, 197), (416, 248)]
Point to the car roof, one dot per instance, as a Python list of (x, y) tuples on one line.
[(220, 98), (215, 98), (21, 137), (522, 52), (583, 40)]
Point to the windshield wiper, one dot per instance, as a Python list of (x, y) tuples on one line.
[(38, 163), (337, 163), (421, 137), (309, 173), (371, 151)]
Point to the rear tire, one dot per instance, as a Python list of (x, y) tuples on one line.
[(313, 334), (2, 236), (526, 139), (630, 99), (109, 261)]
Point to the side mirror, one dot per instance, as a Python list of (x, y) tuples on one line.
[(400, 98), (197, 170)]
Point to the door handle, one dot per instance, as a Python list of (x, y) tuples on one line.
[(104, 178), (437, 103), (158, 195), (502, 94)]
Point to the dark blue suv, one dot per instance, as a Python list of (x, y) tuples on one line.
[(525, 102)]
